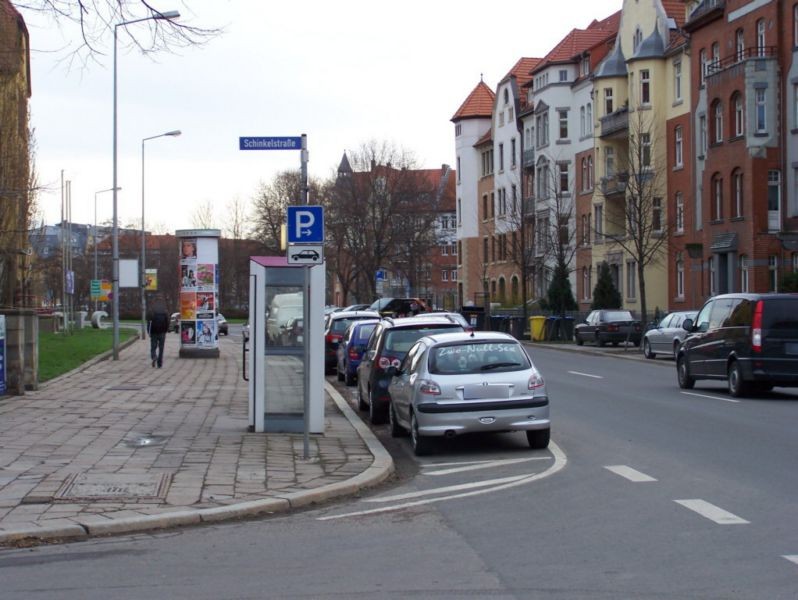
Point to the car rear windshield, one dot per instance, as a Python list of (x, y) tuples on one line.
[(364, 332), (781, 314), (618, 315), (341, 325), (478, 357), (398, 341)]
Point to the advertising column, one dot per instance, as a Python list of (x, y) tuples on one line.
[(199, 292)]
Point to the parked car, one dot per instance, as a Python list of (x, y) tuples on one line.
[(357, 307), (336, 326), (613, 326), (399, 307), (749, 340), (455, 383), (221, 324), (277, 319), (174, 322), (351, 349), (293, 332), (387, 347), (454, 315), (666, 337)]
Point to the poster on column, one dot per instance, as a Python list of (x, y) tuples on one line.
[(199, 291)]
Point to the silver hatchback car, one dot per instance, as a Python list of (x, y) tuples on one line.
[(453, 383)]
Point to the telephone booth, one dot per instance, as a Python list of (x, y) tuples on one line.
[(282, 360)]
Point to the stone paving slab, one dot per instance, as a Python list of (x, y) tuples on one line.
[(118, 446)]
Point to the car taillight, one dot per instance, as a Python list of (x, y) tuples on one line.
[(535, 381), (756, 327), (354, 354), (612, 327), (428, 387)]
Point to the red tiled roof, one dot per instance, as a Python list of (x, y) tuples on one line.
[(580, 40), (675, 10), (488, 136), (479, 104), (522, 70)]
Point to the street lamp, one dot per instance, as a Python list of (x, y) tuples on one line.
[(174, 133), (172, 14), (95, 234)]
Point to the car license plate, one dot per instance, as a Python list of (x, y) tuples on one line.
[(480, 391), (791, 348)]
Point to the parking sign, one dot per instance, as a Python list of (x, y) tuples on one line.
[(305, 224)]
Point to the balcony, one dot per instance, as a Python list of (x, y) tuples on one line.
[(529, 158), (739, 59), (614, 185), (615, 123), (529, 207), (706, 7)]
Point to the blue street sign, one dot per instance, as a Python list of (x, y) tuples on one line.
[(305, 224), (270, 143), (380, 276)]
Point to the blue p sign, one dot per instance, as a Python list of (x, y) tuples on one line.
[(305, 224)]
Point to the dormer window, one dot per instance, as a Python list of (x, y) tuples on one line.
[(637, 40), (506, 96)]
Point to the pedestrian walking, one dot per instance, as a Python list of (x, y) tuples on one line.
[(157, 326)]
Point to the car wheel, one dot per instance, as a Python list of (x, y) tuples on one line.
[(421, 444), (579, 340), (676, 344), (599, 342), (349, 379), (376, 414), (683, 374), (338, 373), (538, 439), (361, 404), (737, 386), (615, 344), (763, 387), (636, 343), (647, 350), (396, 429)]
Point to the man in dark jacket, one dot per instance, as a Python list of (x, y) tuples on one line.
[(157, 326)]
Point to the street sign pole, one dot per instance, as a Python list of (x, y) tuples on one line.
[(305, 310)]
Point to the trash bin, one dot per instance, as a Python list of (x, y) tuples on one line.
[(567, 328), (553, 328), (537, 326), (475, 315), (514, 327)]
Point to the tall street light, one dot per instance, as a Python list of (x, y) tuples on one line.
[(171, 14), (174, 133), (95, 234)]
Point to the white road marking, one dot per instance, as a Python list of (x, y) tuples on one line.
[(586, 375), (447, 489), (793, 558), (454, 464), (560, 460), (712, 512), (629, 473), (711, 397), (485, 465)]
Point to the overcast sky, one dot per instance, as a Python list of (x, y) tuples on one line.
[(341, 72)]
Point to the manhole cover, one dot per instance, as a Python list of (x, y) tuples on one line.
[(127, 387), (113, 487)]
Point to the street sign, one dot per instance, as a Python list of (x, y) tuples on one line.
[(270, 143), (96, 289), (305, 224), (305, 254), (380, 276)]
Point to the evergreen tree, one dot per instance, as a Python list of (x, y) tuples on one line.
[(560, 298), (605, 294)]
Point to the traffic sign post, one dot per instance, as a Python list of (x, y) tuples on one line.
[(305, 254)]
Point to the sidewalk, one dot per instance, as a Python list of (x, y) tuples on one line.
[(120, 447)]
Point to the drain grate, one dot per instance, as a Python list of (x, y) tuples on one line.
[(114, 487)]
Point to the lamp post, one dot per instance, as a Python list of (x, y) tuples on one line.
[(174, 133), (172, 14), (95, 235)]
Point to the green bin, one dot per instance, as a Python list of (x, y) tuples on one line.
[(536, 327)]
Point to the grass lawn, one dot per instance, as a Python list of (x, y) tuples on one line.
[(59, 353)]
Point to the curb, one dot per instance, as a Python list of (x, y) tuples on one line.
[(380, 469), (636, 355)]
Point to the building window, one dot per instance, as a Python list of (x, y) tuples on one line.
[(717, 197), (484, 206), (637, 39), (454, 249), (581, 121), (563, 75), (773, 273), (484, 250), (702, 132), (586, 229), (795, 25), (607, 101), (589, 119), (492, 205), (586, 283), (744, 275), (679, 275), (679, 212), (718, 111), (702, 60), (715, 66), (444, 275), (656, 215), (713, 283), (598, 226), (609, 161), (760, 37), (677, 82), (501, 158), (459, 211), (795, 262), (631, 277), (512, 153), (563, 124), (590, 172), (739, 45), (514, 206), (458, 129), (795, 105), (645, 143), (563, 178), (584, 174), (678, 147), (445, 250), (493, 248), (739, 118), (761, 123), (645, 87), (454, 275), (737, 182)]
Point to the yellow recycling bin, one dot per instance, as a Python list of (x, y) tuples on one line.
[(536, 326)]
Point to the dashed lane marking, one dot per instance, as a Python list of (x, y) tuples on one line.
[(712, 512), (629, 473), (793, 558), (484, 465), (711, 397), (586, 375), (560, 460)]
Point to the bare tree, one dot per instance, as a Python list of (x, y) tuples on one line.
[(93, 22), (235, 225), (203, 216), (635, 219)]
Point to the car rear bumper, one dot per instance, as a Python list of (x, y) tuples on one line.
[(611, 336), (476, 421), (781, 372)]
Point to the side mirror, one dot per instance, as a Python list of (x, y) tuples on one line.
[(687, 325)]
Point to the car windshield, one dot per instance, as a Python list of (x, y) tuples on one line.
[(399, 341), (341, 325), (781, 314), (618, 315), (477, 357), (364, 332)]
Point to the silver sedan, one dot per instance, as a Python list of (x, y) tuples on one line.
[(668, 335), (455, 383)]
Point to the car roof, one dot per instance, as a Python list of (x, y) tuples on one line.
[(348, 314), (419, 320), (438, 339)]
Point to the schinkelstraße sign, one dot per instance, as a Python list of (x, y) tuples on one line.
[(270, 143)]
